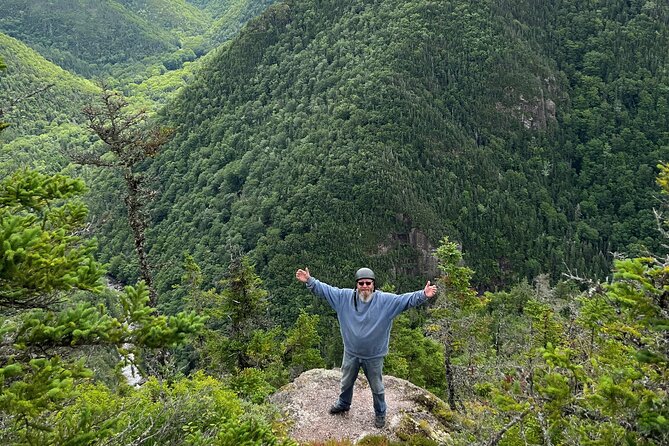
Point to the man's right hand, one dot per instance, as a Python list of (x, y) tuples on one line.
[(302, 275)]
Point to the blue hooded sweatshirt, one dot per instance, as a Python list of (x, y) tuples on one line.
[(365, 329)]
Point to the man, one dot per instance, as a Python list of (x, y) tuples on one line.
[(365, 318)]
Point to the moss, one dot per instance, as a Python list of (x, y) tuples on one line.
[(411, 440), (419, 432), (437, 408), (417, 440), (375, 440), (408, 428)]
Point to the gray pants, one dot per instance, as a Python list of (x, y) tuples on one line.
[(373, 369)]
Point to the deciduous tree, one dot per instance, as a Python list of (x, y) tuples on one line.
[(129, 140)]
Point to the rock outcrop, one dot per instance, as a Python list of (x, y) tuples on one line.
[(411, 410)]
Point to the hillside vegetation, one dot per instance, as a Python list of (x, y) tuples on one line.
[(106, 33), (39, 123), (149, 47), (336, 134)]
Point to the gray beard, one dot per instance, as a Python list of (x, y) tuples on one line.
[(365, 296)]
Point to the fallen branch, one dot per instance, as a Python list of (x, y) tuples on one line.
[(495, 440)]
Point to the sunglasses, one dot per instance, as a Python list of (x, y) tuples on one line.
[(365, 283)]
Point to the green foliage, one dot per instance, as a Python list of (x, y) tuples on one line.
[(457, 322), (236, 337), (545, 328), (456, 278), (301, 345), (251, 384), (244, 300), (43, 328), (28, 390), (32, 389), (35, 114), (199, 410), (595, 374), (154, 331), (39, 249), (240, 341), (415, 357)]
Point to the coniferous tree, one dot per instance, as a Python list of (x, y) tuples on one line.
[(42, 255), (455, 313), (301, 346), (43, 260)]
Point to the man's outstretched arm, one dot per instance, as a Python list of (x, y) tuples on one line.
[(405, 301), (333, 295)]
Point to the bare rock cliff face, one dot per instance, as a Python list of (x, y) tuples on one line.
[(411, 410)]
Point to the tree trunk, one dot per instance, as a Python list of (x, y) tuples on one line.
[(137, 221), (450, 378)]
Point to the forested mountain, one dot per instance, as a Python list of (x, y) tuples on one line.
[(140, 46), (86, 36), (335, 134), (349, 133), (230, 15), (99, 38), (44, 109)]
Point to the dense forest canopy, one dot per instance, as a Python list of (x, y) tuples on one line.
[(339, 133), (47, 102), (107, 32)]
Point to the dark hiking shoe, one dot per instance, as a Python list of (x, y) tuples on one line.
[(337, 409), (380, 421)]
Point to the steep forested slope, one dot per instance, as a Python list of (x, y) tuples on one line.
[(336, 134), (230, 16), (614, 131), (342, 133), (89, 36), (39, 123)]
